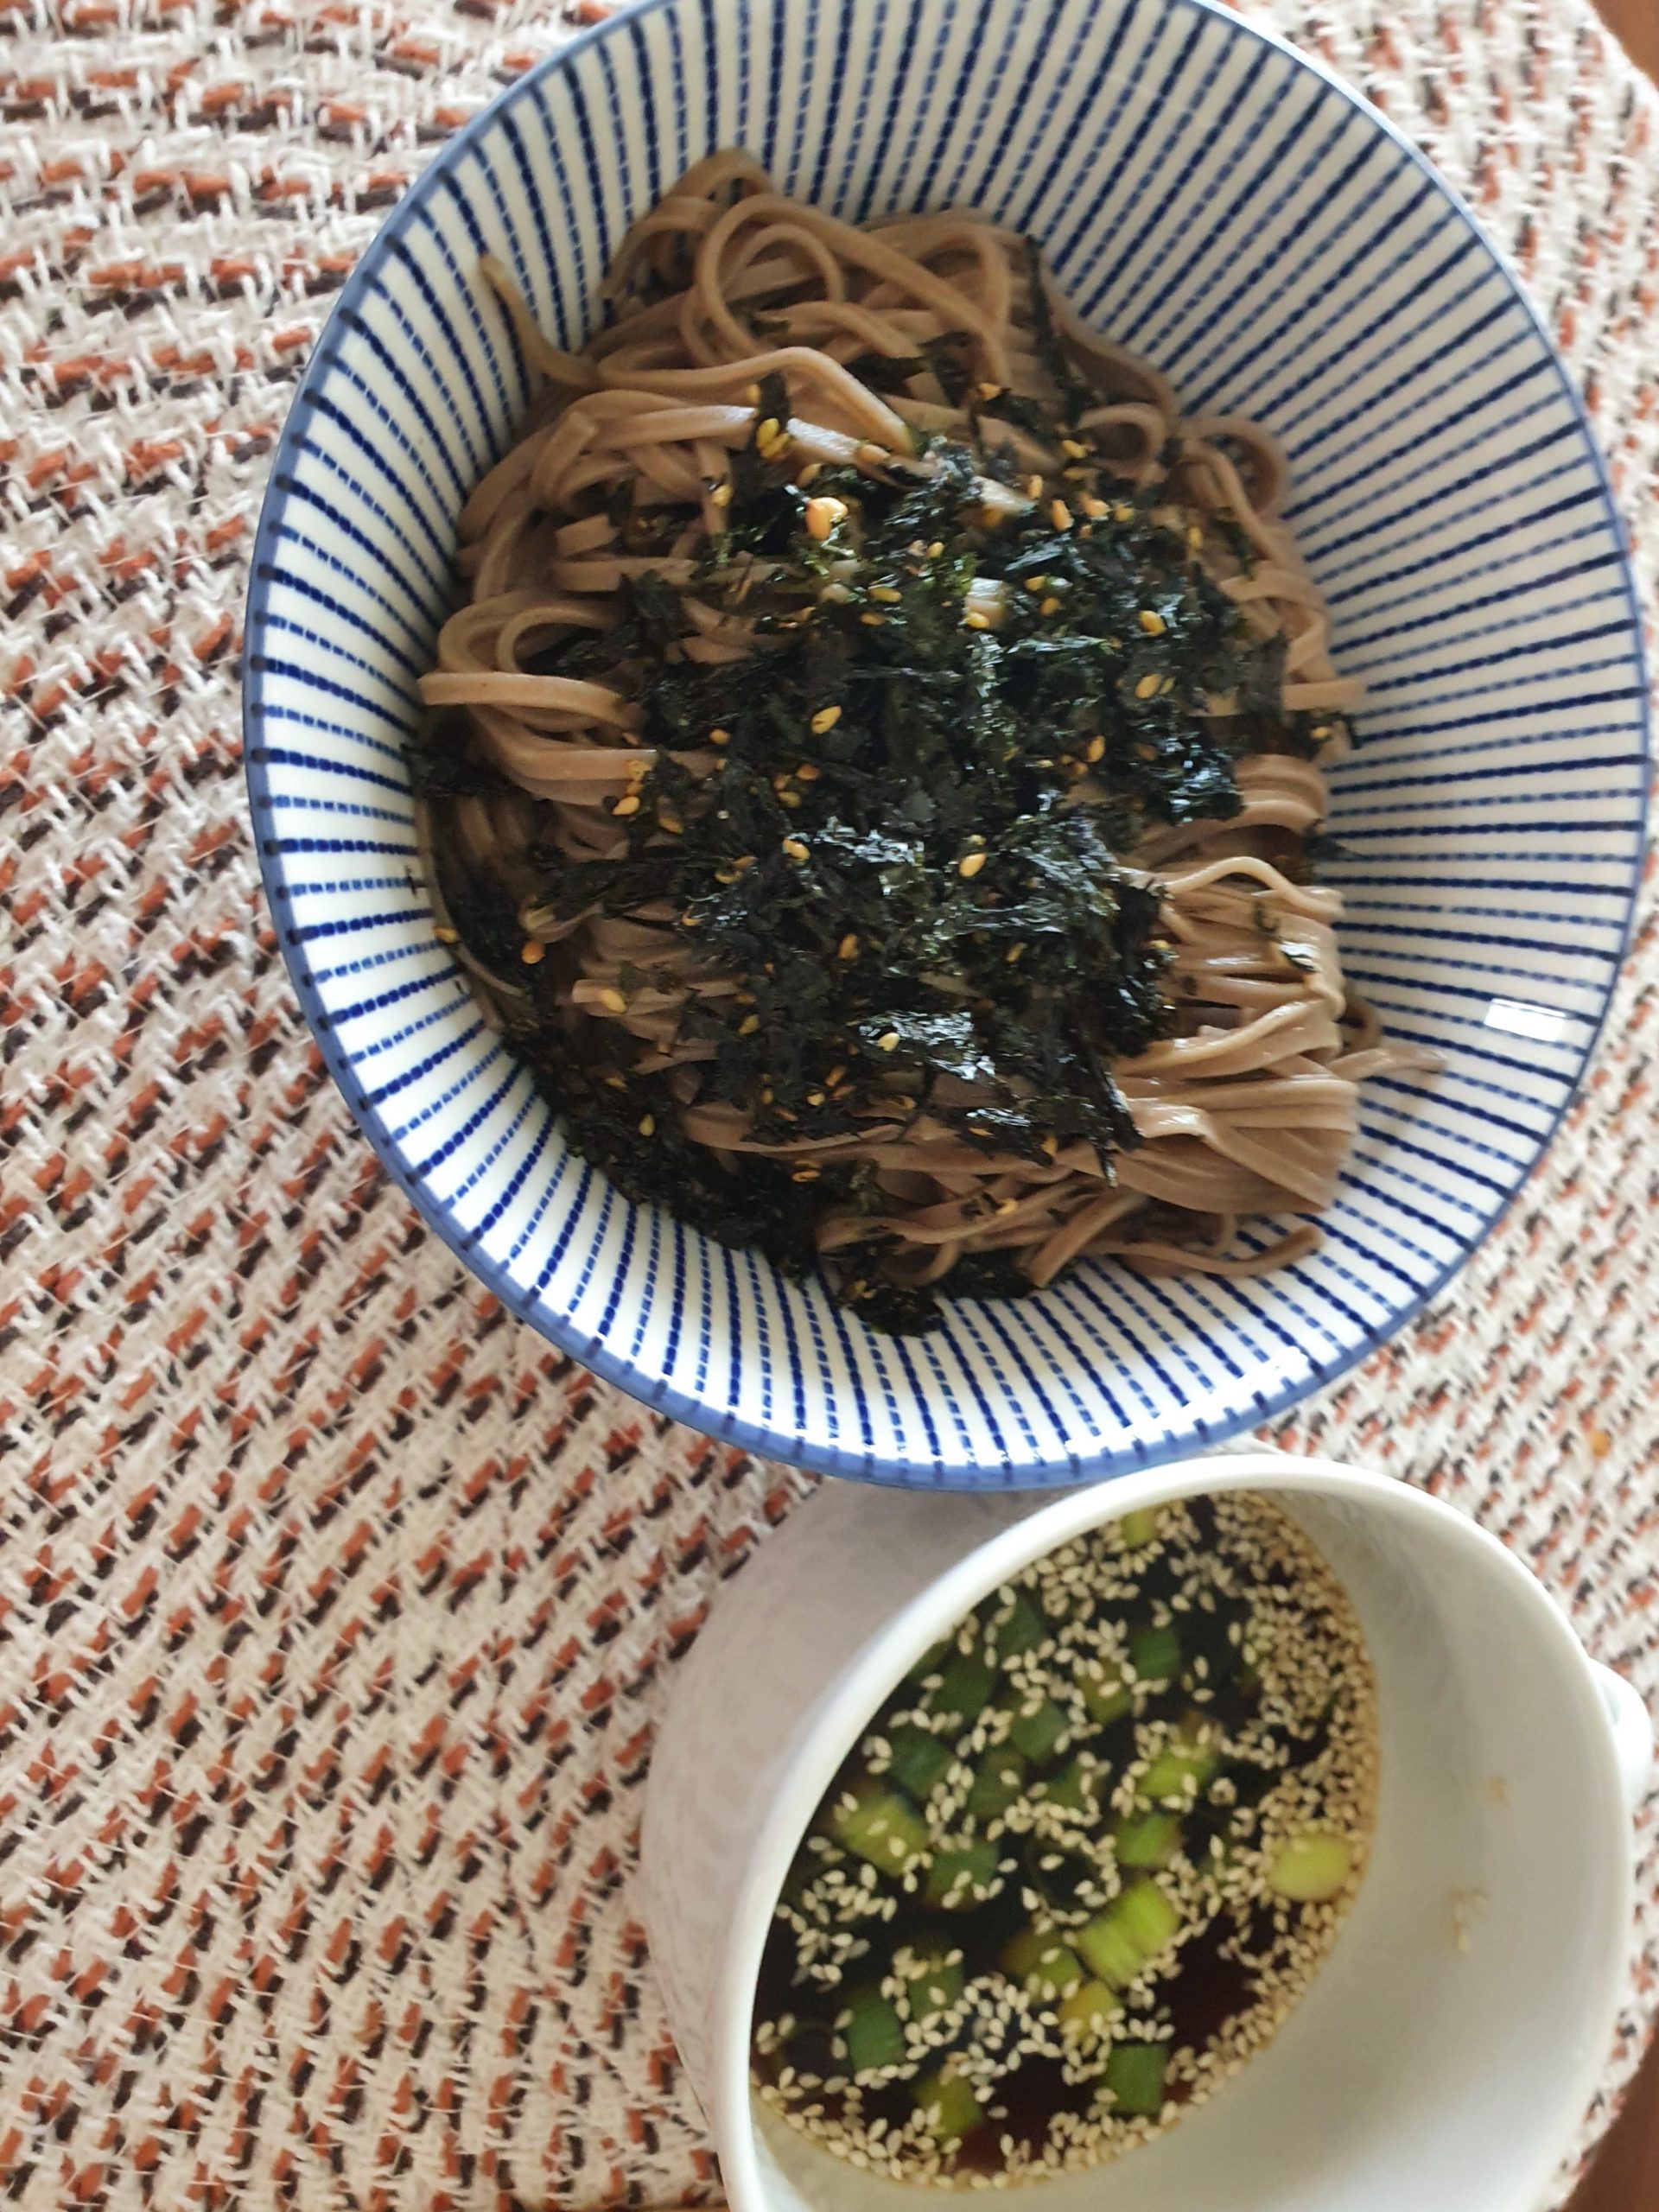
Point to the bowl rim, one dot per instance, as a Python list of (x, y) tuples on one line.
[(825, 1736), (658, 1395)]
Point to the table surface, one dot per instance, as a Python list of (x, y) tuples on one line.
[(337, 1607), (1626, 2170), (1636, 23)]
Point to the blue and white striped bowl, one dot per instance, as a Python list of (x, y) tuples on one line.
[(1213, 199)]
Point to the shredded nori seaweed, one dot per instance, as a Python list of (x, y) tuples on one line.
[(928, 892)]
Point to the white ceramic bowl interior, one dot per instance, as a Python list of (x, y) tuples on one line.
[(1446, 2052), (1211, 197)]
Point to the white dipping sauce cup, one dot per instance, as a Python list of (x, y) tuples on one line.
[(1446, 2053)]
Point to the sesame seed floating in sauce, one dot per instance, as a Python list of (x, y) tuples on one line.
[(1036, 1920)]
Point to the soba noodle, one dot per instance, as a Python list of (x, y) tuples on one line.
[(894, 343)]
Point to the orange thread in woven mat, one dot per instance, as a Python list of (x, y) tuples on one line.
[(339, 1607)]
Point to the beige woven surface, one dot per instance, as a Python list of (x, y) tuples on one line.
[(336, 1609)]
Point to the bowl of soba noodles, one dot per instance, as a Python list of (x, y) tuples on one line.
[(946, 724)]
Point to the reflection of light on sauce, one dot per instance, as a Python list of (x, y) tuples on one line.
[(1084, 1859), (1521, 1019)]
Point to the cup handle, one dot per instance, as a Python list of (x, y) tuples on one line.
[(1632, 1724)]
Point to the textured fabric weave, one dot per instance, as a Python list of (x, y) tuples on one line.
[(335, 1609)]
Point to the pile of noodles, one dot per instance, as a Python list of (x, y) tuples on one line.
[(1250, 1106)]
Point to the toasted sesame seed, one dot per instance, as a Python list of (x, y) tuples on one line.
[(1152, 622), (532, 951), (796, 848), (823, 515), (1148, 687), (825, 719), (720, 495), (974, 619), (1304, 1657), (971, 863), (848, 949), (612, 1001), (889, 1042), (1059, 514), (1049, 606), (627, 805), (720, 737), (747, 1027), (886, 593), (872, 621), (446, 935)]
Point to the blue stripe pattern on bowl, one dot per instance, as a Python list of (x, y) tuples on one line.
[(1213, 199)]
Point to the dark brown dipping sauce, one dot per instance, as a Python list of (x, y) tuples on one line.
[(1146, 1767)]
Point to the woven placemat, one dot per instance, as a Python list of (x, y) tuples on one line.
[(336, 1608)]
